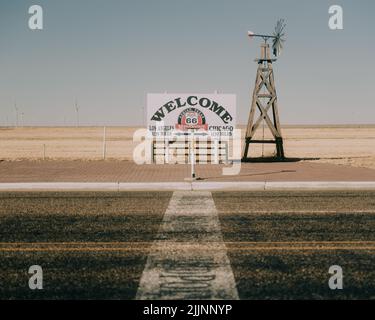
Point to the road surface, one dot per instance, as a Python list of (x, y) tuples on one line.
[(246, 245)]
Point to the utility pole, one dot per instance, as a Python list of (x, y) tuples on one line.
[(16, 109), (22, 114), (143, 116), (77, 113)]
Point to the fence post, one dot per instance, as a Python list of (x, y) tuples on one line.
[(216, 151), (152, 149), (226, 152), (104, 142), (166, 145)]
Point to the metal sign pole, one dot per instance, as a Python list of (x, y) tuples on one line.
[(192, 152)]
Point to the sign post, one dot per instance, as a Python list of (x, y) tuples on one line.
[(192, 154)]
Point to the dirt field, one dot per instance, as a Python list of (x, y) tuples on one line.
[(349, 145)]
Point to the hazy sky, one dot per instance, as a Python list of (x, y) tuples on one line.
[(110, 54)]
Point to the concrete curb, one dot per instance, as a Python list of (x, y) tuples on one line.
[(153, 186), (321, 185), (59, 186), (196, 185), (238, 186)]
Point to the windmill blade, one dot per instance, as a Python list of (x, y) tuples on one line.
[(280, 26), (277, 46), (279, 39)]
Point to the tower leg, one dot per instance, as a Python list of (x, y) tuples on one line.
[(280, 148), (246, 150)]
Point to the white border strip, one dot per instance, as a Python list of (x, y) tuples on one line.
[(196, 186)]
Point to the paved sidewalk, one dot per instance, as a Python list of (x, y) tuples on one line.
[(126, 171)]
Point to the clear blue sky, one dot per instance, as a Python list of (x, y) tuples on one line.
[(109, 54)]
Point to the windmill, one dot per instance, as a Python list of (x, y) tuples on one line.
[(264, 95)]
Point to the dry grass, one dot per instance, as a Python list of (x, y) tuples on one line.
[(351, 145)]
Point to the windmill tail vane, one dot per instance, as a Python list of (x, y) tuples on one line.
[(278, 37)]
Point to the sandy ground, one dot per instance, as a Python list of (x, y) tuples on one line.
[(345, 145)]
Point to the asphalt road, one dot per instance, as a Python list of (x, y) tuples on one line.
[(95, 245), (281, 244)]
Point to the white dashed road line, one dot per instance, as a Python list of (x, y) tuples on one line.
[(188, 260)]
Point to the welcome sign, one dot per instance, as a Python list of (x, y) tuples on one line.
[(174, 114)]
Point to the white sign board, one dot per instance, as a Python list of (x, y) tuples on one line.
[(175, 114)]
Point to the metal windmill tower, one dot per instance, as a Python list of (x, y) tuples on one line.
[(264, 95)]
